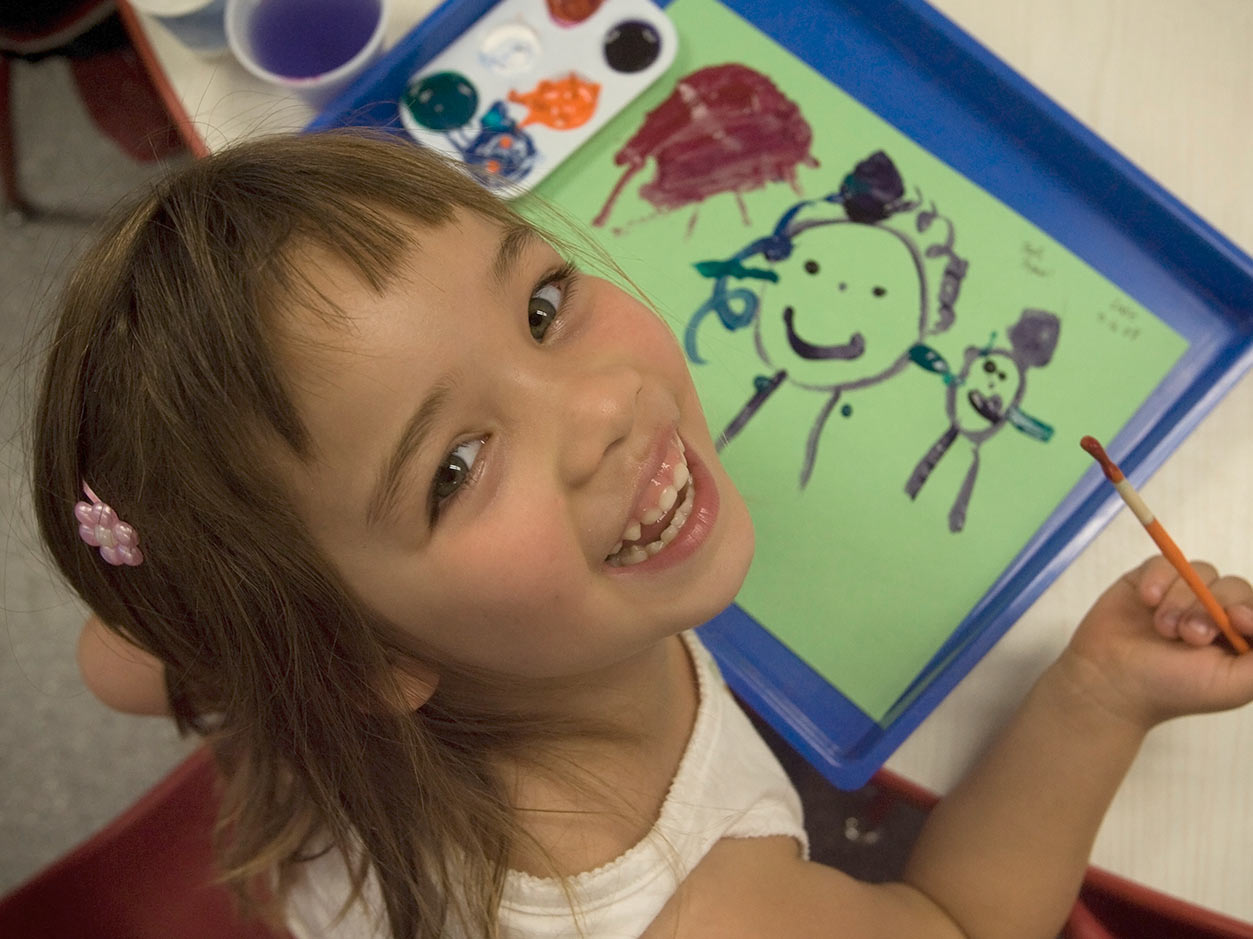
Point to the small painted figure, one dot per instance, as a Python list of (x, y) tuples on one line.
[(984, 396)]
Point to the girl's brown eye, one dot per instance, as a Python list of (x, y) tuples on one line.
[(454, 469), (448, 478), (542, 310)]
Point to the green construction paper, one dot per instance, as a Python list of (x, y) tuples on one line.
[(858, 579)]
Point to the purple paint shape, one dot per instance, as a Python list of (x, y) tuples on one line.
[(303, 38), (725, 128)]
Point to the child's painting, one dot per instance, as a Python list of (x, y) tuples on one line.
[(896, 366)]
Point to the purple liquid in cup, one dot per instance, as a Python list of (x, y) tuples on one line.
[(302, 38)]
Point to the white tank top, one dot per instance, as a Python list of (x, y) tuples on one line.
[(728, 785)]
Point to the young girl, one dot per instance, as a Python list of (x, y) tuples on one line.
[(373, 487)]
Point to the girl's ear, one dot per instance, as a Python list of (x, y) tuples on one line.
[(414, 683), (121, 675)]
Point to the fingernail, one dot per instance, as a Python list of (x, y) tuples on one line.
[(1170, 618), (1201, 628)]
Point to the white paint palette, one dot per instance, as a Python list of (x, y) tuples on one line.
[(531, 80)]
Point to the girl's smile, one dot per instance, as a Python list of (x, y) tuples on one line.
[(674, 513), (511, 464)]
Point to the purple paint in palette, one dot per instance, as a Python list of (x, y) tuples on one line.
[(302, 38)]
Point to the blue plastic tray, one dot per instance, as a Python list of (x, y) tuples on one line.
[(914, 68)]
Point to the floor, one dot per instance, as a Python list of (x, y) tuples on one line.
[(66, 763)]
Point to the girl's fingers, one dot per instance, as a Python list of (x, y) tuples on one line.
[(1197, 629), (1153, 579), (1241, 616), (1234, 595), (1231, 592), (1180, 615)]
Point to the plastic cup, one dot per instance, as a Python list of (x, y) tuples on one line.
[(197, 24), (311, 48)]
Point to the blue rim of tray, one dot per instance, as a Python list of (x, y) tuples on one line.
[(905, 61)]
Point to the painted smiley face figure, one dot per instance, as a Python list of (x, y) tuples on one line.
[(847, 307), (848, 304), (844, 302)]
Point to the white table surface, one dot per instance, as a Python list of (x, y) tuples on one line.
[(1170, 85), (1171, 89)]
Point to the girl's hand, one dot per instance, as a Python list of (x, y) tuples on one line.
[(1147, 651)]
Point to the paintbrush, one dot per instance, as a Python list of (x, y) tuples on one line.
[(1167, 545)]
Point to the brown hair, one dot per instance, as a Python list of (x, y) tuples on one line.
[(161, 391)]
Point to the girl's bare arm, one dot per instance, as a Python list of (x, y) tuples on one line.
[(1005, 852), (1001, 856)]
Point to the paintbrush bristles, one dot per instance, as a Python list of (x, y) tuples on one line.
[(1108, 466)]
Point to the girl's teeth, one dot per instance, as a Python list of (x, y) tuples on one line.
[(666, 501), (625, 557), (635, 553), (681, 476)]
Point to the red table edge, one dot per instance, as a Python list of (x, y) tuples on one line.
[(169, 97)]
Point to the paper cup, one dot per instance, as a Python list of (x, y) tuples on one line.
[(197, 24), (311, 48)]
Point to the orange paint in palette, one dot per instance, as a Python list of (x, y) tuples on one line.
[(1164, 542), (561, 103)]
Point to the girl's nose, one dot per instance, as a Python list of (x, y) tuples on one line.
[(597, 410)]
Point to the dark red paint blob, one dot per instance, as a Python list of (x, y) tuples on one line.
[(725, 128)]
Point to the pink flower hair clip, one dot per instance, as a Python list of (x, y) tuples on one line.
[(99, 526)]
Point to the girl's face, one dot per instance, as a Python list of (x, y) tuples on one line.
[(493, 440)]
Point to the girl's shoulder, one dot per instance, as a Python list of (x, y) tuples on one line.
[(745, 888)]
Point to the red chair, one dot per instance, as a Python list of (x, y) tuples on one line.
[(147, 875), (111, 81), (1111, 907)]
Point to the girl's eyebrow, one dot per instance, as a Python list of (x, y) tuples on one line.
[(513, 242), (416, 430)]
